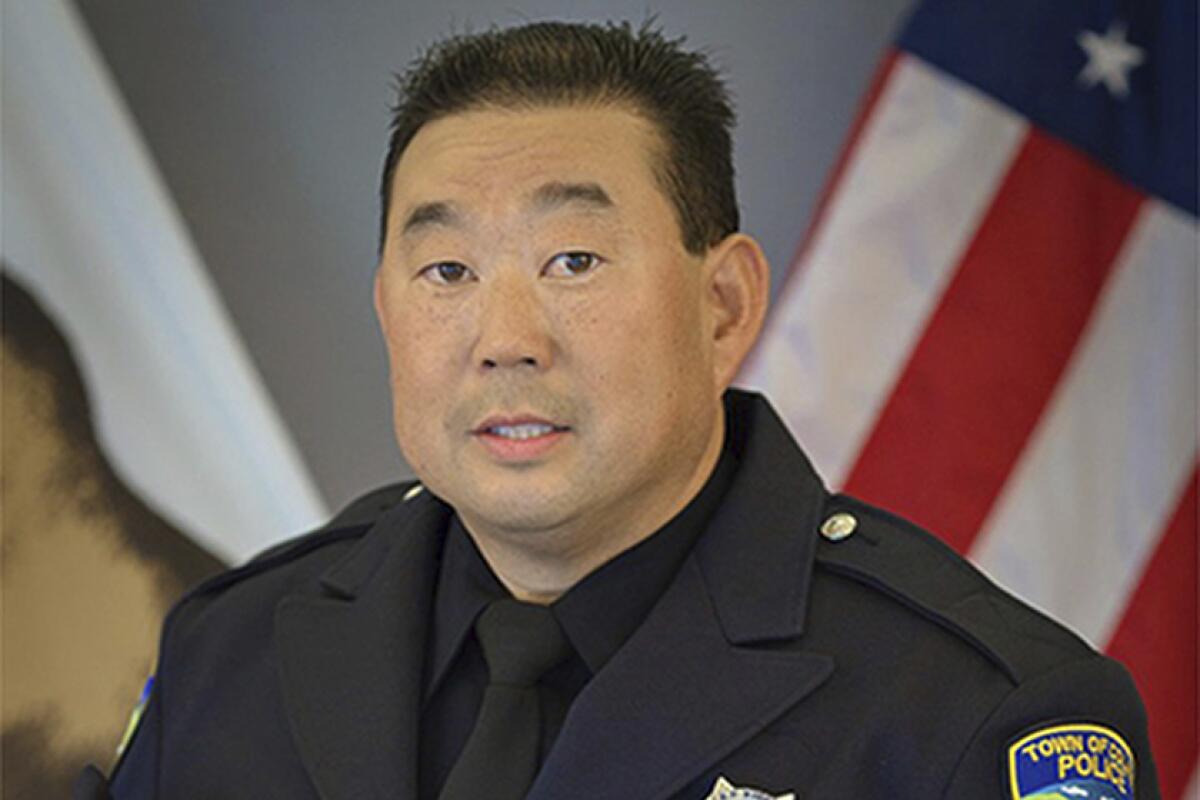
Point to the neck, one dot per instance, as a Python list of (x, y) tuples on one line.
[(542, 567)]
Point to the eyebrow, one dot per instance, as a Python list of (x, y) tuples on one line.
[(547, 197), (430, 214), (556, 194)]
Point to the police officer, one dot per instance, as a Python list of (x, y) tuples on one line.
[(617, 577)]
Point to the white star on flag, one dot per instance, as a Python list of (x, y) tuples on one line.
[(1110, 59)]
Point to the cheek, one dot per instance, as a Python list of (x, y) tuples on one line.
[(418, 357), (423, 344), (420, 339), (640, 348)]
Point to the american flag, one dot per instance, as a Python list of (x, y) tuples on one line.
[(991, 324)]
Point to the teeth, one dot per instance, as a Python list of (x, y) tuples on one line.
[(524, 431)]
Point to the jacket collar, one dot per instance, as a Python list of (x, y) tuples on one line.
[(351, 653), (757, 555)]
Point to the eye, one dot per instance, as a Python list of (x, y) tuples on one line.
[(572, 264), (447, 273)]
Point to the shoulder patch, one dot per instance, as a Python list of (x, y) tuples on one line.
[(135, 716), (1070, 761)]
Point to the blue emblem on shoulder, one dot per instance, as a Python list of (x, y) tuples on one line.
[(1073, 761), (135, 717)]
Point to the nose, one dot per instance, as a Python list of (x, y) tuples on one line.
[(513, 330)]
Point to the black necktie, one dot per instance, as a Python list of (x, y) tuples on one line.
[(520, 642)]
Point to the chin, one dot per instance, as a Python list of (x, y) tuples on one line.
[(528, 515), (528, 511)]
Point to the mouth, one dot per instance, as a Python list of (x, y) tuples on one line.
[(518, 428), (518, 438)]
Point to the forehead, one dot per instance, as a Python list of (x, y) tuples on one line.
[(500, 157)]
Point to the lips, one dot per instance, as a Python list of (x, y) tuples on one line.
[(519, 427), (518, 438)]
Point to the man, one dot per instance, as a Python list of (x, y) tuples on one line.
[(617, 578)]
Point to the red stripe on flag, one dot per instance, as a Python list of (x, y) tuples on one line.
[(989, 359), (866, 108), (1156, 640)]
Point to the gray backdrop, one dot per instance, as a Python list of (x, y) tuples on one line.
[(268, 122)]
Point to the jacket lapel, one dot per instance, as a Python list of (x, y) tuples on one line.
[(674, 701), (352, 654), (693, 683)]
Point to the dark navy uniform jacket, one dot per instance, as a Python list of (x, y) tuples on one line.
[(881, 665)]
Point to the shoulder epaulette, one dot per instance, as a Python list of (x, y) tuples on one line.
[(916, 568)]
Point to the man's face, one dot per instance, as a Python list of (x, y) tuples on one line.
[(549, 337)]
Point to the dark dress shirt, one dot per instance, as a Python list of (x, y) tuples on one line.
[(598, 615)]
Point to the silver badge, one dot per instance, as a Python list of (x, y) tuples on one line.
[(724, 790)]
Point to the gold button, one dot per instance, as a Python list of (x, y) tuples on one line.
[(413, 492), (839, 526)]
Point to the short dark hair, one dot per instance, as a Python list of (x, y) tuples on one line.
[(557, 63)]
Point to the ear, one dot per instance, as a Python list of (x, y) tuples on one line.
[(737, 291)]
